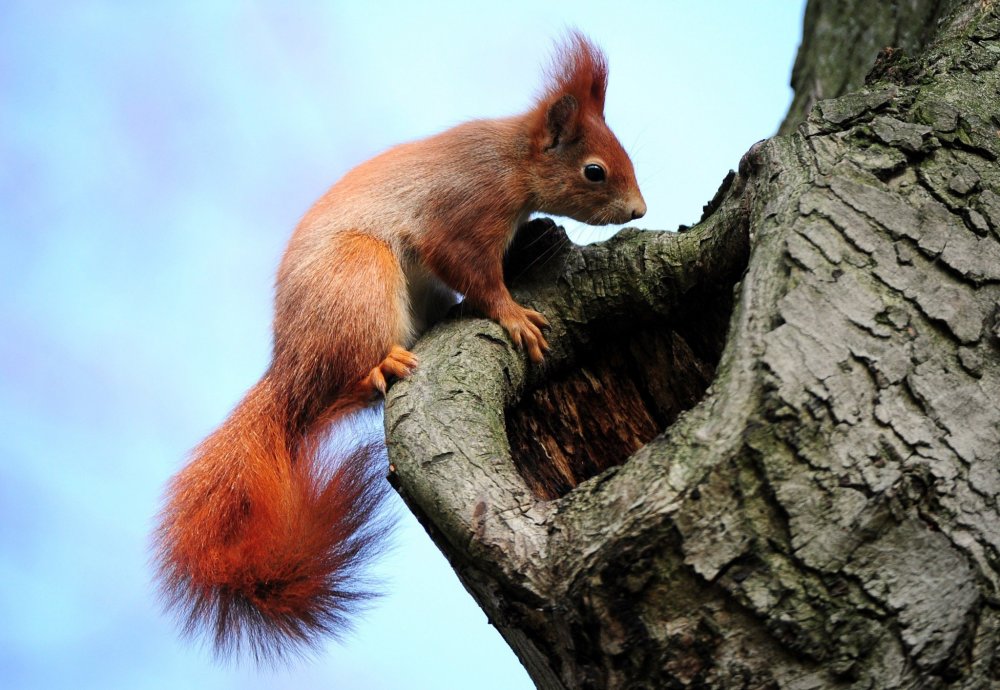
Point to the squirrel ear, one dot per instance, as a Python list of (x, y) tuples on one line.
[(560, 120)]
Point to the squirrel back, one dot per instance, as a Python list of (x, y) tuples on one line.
[(263, 534)]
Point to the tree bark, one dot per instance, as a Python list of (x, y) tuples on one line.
[(765, 451)]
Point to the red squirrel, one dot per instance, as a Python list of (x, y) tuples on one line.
[(261, 537)]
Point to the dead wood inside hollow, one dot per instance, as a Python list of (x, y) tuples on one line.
[(625, 388)]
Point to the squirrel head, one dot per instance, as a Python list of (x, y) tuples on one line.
[(581, 170)]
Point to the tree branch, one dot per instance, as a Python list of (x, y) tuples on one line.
[(825, 513)]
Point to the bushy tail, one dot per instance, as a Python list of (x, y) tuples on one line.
[(262, 538)]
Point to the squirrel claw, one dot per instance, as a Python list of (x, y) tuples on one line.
[(524, 327), (399, 363)]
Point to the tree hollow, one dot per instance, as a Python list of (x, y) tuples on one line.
[(624, 389)]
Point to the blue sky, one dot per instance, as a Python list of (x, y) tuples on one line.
[(154, 158)]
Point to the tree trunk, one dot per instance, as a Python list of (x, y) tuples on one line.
[(765, 451)]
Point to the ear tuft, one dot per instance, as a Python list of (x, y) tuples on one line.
[(560, 120), (581, 69)]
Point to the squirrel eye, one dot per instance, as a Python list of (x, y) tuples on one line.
[(594, 172)]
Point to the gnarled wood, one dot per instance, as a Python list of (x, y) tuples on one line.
[(826, 515)]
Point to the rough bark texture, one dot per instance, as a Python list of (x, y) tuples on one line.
[(840, 42), (825, 514)]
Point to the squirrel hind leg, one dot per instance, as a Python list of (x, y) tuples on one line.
[(337, 321)]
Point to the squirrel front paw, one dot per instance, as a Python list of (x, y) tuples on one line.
[(525, 329)]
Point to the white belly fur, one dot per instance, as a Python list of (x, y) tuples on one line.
[(428, 299)]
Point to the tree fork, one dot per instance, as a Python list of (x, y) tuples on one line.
[(824, 513)]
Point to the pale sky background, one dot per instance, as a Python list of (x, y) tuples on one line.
[(154, 157)]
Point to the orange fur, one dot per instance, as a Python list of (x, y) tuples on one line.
[(262, 536), (259, 543)]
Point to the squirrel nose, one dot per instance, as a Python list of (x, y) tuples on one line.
[(639, 210)]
